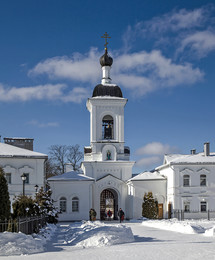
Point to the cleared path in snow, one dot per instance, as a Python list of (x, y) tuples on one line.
[(150, 243)]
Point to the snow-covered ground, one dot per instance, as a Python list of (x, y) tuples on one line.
[(19, 243), (142, 239)]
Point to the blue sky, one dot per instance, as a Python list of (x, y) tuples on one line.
[(164, 59)]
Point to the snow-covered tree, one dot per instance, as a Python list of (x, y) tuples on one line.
[(45, 206), (4, 195), (150, 206)]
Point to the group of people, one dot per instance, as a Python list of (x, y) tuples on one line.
[(93, 214)]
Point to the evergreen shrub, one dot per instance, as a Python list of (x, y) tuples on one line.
[(5, 198), (149, 206)]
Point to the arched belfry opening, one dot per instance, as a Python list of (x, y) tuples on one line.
[(107, 127), (108, 201)]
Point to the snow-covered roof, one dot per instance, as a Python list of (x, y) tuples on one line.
[(7, 150), (70, 176), (198, 158), (18, 138), (147, 176)]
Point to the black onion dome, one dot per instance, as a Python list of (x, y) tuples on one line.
[(106, 60), (107, 90)]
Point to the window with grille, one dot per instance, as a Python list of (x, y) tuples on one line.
[(186, 206), (75, 204), (202, 180), (203, 206), (186, 180), (63, 204)]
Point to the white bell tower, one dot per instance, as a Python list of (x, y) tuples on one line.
[(106, 107)]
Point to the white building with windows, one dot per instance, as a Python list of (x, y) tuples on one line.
[(15, 161), (190, 183), (183, 182)]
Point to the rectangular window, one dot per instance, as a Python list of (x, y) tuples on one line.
[(186, 181), (203, 206), (202, 180), (75, 206), (187, 207), (8, 177), (27, 178), (62, 205)]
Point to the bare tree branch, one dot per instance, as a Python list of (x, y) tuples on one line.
[(74, 155), (58, 154)]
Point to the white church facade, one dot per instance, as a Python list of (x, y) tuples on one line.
[(184, 183)]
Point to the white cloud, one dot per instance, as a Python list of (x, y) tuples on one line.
[(41, 92), (148, 161), (152, 154), (42, 125), (79, 67), (77, 95), (50, 92), (146, 72), (172, 22), (176, 20), (142, 72), (156, 148), (201, 43), (176, 30)]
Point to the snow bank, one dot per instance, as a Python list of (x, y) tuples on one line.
[(98, 234), (185, 227), (210, 232), (20, 244)]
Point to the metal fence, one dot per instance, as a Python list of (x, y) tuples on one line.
[(28, 225), (181, 214)]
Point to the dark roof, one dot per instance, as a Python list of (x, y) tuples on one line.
[(106, 60), (107, 90)]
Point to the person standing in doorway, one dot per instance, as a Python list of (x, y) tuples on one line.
[(121, 215), (109, 213)]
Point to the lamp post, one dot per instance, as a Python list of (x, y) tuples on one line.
[(23, 176), (36, 188)]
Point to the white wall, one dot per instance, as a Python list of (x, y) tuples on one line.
[(70, 189), (18, 166), (137, 189)]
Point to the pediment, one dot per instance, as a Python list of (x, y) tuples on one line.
[(109, 181), (26, 169), (109, 177), (9, 169), (186, 170), (203, 170)]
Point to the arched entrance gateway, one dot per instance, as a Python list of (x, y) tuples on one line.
[(108, 201)]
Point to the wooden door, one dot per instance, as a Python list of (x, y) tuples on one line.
[(160, 211)]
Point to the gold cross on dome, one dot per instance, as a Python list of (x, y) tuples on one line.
[(105, 36)]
